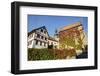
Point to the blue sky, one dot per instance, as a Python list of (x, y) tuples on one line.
[(54, 22)]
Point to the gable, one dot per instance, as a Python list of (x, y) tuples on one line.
[(42, 29)]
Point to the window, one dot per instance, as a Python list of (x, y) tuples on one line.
[(45, 38), (36, 42), (42, 37), (40, 42), (31, 35), (41, 30), (38, 36), (44, 44)]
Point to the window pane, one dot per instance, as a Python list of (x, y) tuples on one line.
[(38, 36), (40, 42), (41, 37), (36, 42)]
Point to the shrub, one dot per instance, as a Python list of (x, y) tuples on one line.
[(59, 54), (71, 52)]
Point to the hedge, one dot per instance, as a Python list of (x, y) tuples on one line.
[(49, 54)]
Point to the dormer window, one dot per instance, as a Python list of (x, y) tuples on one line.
[(41, 30), (31, 35)]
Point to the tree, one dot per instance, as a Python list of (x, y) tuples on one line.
[(70, 38)]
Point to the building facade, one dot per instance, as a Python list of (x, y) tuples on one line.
[(73, 37), (39, 38), (53, 42)]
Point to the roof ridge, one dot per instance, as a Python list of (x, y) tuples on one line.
[(70, 26)]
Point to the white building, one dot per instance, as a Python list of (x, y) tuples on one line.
[(53, 42), (39, 38)]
